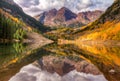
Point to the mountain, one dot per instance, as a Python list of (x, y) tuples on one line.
[(89, 16), (12, 8), (47, 17), (56, 17), (65, 17), (107, 27), (83, 18), (16, 26), (14, 29)]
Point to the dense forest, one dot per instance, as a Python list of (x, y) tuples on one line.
[(11, 28)]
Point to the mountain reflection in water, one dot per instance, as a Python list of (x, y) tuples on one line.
[(65, 62), (57, 68), (33, 73), (14, 56)]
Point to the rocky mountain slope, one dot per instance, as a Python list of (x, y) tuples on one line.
[(107, 27), (17, 26), (12, 8), (65, 17), (14, 29)]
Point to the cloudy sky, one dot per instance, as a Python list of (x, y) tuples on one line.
[(34, 7)]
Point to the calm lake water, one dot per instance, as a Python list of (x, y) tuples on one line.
[(53, 62)]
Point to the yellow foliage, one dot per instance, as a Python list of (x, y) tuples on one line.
[(61, 41), (14, 60), (29, 28), (108, 31), (107, 55), (15, 19), (7, 15)]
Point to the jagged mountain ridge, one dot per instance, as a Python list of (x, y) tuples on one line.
[(65, 17)]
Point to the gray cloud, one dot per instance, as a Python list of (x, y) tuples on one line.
[(34, 7)]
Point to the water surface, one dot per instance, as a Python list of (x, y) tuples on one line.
[(55, 62)]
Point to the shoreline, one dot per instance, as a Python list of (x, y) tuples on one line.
[(90, 42)]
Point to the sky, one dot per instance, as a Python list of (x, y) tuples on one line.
[(35, 7)]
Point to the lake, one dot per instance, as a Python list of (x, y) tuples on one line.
[(59, 62)]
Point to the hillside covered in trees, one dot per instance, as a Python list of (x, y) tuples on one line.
[(11, 27), (107, 27), (12, 8)]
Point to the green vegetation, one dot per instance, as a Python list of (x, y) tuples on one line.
[(110, 15), (10, 52), (17, 12), (76, 25), (60, 33), (11, 28), (107, 27)]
